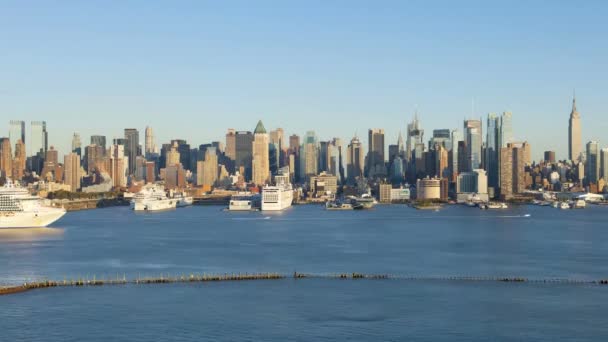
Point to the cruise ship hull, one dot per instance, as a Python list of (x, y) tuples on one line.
[(157, 205), (31, 219)]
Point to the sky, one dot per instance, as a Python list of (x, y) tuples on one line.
[(193, 69)]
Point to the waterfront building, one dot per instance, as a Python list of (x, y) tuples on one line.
[(244, 152), (150, 144), (94, 157), (19, 161), (428, 188), (76, 144), (172, 155), (384, 192), (472, 184), (512, 178), (230, 150), (550, 157), (118, 166), (415, 135), (400, 194), (574, 134), (309, 159), (71, 166), (592, 167), (260, 155), (375, 153), (323, 184), (150, 172), (99, 140), (40, 139), (354, 160), (473, 138), (493, 128), (16, 131), (131, 147), (6, 158), (604, 163), (207, 170)]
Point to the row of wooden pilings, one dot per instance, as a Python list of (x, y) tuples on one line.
[(162, 279)]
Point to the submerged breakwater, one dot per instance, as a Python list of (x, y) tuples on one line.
[(191, 278)]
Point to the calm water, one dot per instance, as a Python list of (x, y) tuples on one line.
[(397, 240)]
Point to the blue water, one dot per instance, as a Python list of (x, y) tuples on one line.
[(398, 240)]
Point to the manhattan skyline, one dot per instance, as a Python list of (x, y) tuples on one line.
[(192, 71)]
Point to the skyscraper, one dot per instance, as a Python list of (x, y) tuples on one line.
[(309, 156), (456, 139), (119, 165), (375, 153), (99, 140), (473, 136), (604, 164), (505, 129), (131, 147), (40, 138), (16, 131), (230, 150), (71, 167), (244, 144), (76, 144), (415, 136), (19, 161), (492, 150), (6, 158), (207, 169), (260, 160), (574, 133), (592, 167), (511, 170), (150, 147), (354, 160)]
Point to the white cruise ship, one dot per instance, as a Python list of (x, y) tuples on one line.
[(277, 197), (152, 198), (19, 209)]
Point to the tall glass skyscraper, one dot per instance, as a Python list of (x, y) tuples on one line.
[(492, 149), (132, 147), (473, 135), (506, 130), (16, 132), (592, 169), (40, 139)]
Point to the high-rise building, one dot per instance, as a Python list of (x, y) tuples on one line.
[(473, 136), (52, 171), (19, 161), (474, 183), (505, 129), (354, 160), (260, 160), (150, 147), (592, 167), (140, 168), (71, 167), (40, 138), (119, 166), (441, 161), (441, 137), (244, 153), (207, 170), (6, 158), (99, 140), (456, 140), (173, 155), (309, 156), (184, 152), (230, 150), (94, 158), (550, 157), (131, 147), (277, 138), (16, 131), (76, 144), (415, 136), (604, 164), (375, 153), (574, 134), (511, 170), (150, 172), (493, 128)]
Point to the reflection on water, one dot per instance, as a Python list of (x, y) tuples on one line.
[(29, 234)]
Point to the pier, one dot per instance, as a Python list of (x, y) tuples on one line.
[(200, 278)]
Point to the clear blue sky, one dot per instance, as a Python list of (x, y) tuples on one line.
[(192, 69)]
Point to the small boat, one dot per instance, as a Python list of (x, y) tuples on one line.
[(564, 205), (334, 205), (579, 204), (183, 200), (497, 205)]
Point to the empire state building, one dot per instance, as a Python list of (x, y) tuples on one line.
[(574, 133)]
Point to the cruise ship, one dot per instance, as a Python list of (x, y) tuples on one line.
[(19, 209), (277, 197), (152, 198), (245, 201)]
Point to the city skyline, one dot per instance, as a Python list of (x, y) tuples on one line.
[(379, 64)]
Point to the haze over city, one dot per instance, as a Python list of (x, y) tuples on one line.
[(193, 70)]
